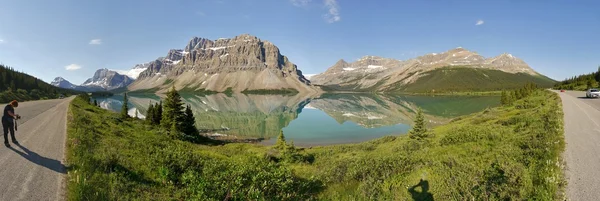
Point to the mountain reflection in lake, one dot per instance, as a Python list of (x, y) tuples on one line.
[(328, 119)]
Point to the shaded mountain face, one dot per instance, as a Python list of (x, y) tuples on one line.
[(378, 74), (107, 80), (244, 62)]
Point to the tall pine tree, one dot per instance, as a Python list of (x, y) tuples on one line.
[(172, 113), (419, 131), (150, 114), (125, 107), (189, 121), (504, 98), (158, 112)]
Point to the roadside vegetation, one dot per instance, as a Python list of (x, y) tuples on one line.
[(510, 152), (22, 87), (581, 82)]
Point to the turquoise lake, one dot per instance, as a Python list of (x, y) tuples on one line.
[(310, 121)]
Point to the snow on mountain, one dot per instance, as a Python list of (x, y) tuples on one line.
[(108, 80), (308, 76), (135, 71), (62, 83)]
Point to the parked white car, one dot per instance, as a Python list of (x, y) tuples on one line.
[(592, 93)]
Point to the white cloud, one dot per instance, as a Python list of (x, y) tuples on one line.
[(333, 15), (73, 67), (300, 2), (96, 42), (479, 22), (1, 41)]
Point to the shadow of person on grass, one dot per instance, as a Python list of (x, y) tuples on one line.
[(424, 194), (33, 157)]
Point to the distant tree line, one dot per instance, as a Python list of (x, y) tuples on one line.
[(580, 82), (509, 97), (20, 86)]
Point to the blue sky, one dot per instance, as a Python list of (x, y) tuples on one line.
[(558, 38)]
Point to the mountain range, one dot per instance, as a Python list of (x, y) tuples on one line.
[(246, 63), (103, 80), (455, 70)]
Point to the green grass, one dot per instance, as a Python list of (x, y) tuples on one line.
[(461, 79), (289, 91), (114, 159), (505, 153)]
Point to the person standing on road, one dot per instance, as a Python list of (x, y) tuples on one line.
[(8, 122)]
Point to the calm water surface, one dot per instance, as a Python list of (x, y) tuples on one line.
[(328, 119)]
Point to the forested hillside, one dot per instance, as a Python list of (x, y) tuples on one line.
[(580, 82), (460, 79), (22, 87)]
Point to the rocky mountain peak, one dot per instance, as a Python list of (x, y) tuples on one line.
[(367, 71), (370, 59), (457, 49), (509, 63), (108, 80), (174, 56), (341, 62), (196, 43), (62, 83), (243, 55), (58, 79)]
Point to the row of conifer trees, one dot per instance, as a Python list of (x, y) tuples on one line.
[(171, 115)]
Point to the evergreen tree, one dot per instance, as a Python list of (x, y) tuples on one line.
[(125, 107), (158, 112), (280, 143), (591, 83), (188, 125), (504, 98), (174, 129), (172, 113), (290, 148), (150, 114), (518, 94), (419, 131), (95, 102)]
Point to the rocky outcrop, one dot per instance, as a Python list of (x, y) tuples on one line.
[(244, 62)]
